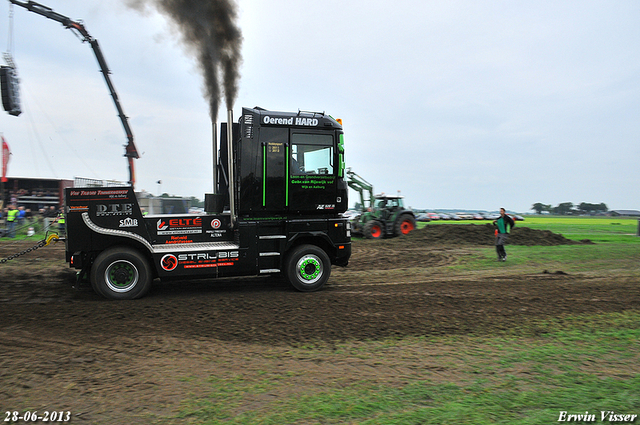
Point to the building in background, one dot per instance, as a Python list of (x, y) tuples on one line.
[(35, 193)]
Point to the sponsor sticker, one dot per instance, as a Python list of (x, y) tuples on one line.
[(129, 222), (169, 262), (99, 194), (111, 210), (216, 231), (179, 239), (78, 208), (179, 226), (199, 260)]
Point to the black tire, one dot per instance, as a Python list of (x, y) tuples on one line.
[(373, 229), (308, 268), (405, 224), (121, 273)]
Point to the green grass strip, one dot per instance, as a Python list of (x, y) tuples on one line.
[(583, 364)]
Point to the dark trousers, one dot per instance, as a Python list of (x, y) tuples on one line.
[(501, 238)]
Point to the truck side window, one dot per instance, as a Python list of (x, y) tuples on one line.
[(311, 154)]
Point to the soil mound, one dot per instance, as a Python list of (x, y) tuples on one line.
[(474, 234)]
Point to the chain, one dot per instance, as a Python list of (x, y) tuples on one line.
[(40, 244)]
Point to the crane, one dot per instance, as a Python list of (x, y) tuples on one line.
[(131, 152), (360, 185)]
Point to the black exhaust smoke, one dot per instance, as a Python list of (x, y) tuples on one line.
[(208, 29)]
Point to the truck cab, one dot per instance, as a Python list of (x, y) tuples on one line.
[(276, 209)]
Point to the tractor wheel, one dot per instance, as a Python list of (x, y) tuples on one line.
[(308, 268), (405, 224), (373, 230), (121, 273)]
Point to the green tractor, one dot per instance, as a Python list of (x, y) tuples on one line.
[(379, 216)]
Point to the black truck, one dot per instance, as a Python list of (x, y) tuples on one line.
[(279, 192)]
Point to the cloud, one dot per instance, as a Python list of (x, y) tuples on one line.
[(458, 104)]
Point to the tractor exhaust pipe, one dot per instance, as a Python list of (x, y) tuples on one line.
[(214, 202), (232, 190), (215, 157)]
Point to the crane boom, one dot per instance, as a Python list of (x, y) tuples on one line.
[(131, 152), (360, 185)]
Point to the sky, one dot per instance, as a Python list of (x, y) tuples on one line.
[(456, 104)]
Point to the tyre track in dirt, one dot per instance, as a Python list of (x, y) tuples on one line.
[(391, 288), (269, 312)]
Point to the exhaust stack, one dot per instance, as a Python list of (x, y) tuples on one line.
[(215, 157), (232, 190)]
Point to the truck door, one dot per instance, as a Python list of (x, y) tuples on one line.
[(274, 185), (312, 182)]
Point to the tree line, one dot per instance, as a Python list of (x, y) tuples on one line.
[(568, 208)]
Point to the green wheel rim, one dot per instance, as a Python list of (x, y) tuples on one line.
[(309, 268), (121, 276)]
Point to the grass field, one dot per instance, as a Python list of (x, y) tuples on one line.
[(584, 364), (597, 229), (579, 365)]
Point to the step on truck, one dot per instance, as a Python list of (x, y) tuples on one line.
[(279, 191)]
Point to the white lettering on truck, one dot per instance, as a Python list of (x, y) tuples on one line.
[(208, 256), (307, 122), (282, 121)]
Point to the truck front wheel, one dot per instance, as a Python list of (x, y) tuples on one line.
[(121, 273), (308, 268)]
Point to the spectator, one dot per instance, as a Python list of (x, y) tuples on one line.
[(50, 215), (28, 215), (61, 222), (22, 216), (504, 224), (12, 217)]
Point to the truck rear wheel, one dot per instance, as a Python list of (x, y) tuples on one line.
[(308, 268), (121, 273), (373, 230), (405, 224)]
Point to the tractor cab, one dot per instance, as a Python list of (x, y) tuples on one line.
[(385, 206)]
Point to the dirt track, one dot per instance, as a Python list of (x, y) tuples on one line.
[(67, 348)]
